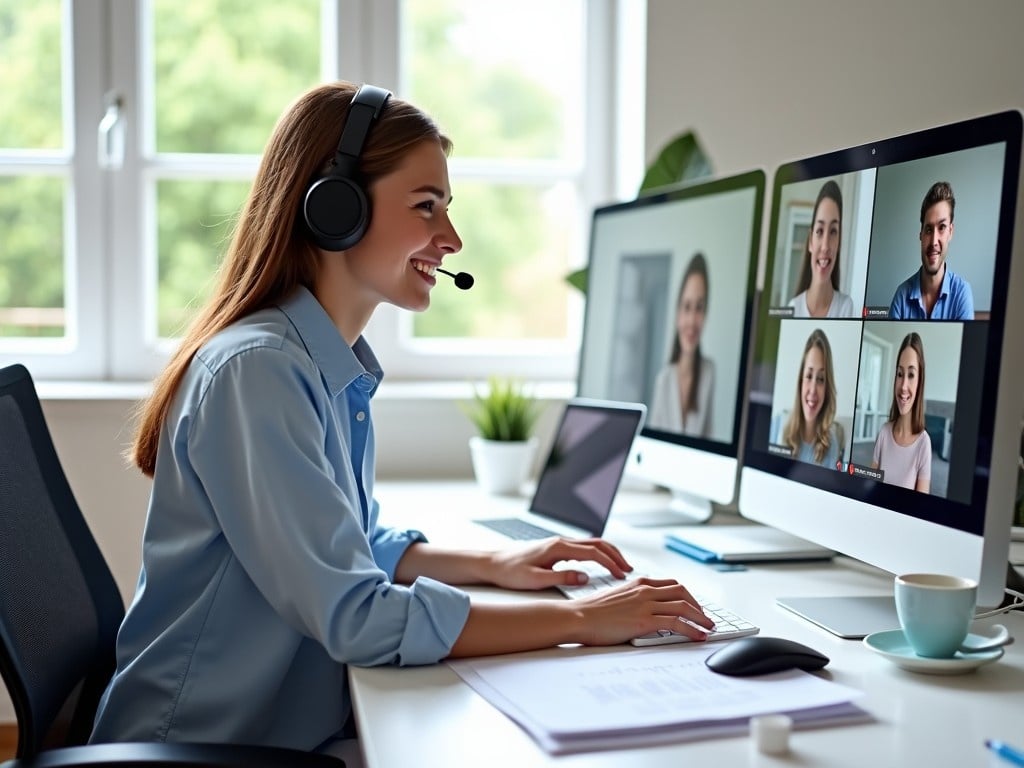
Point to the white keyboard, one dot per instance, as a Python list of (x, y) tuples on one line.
[(515, 528), (728, 625)]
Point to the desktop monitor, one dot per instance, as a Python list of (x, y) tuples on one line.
[(884, 417), (670, 292)]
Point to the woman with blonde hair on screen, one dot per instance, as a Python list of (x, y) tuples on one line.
[(817, 290), (811, 432), (903, 449), (681, 401)]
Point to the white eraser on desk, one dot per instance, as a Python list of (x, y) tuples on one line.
[(770, 733)]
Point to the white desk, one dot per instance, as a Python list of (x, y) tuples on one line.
[(426, 716)]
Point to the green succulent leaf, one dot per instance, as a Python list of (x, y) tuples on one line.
[(504, 411)]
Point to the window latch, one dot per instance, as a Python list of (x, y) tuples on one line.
[(110, 134)]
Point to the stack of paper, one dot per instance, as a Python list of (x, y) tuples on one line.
[(589, 699)]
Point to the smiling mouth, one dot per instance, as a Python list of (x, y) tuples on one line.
[(422, 266)]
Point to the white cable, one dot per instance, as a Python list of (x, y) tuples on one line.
[(1018, 602)]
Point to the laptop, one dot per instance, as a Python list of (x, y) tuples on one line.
[(581, 476)]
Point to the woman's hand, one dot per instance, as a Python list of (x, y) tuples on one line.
[(530, 566), (608, 617), (640, 607)]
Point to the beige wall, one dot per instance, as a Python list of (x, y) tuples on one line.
[(763, 83)]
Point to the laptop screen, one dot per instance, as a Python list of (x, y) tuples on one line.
[(581, 476)]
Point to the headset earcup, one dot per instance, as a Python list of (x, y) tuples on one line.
[(337, 212)]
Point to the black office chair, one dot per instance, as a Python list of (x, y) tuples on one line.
[(60, 610)]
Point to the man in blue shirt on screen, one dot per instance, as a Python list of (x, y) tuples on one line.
[(934, 292)]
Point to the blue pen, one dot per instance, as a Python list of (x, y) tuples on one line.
[(1010, 754)]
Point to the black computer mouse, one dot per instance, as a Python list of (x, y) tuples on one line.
[(758, 655)]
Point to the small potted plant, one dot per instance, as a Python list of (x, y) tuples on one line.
[(503, 450)]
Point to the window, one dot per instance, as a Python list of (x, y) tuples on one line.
[(132, 128)]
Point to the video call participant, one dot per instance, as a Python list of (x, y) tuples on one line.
[(903, 449), (811, 432), (681, 401), (934, 292), (266, 569), (818, 293)]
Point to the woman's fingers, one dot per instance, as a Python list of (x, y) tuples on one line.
[(600, 551), (640, 607), (661, 597), (680, 627)]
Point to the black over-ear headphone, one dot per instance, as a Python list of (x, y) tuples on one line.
[(336, 207)]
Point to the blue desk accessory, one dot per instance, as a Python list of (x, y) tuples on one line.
[(1011, 755)]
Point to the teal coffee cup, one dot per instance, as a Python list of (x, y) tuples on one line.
[(935, 612)]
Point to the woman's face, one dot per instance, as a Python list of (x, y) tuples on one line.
[(908, 369), (690, 313), (409, 233), (824, 240), (812, 384)]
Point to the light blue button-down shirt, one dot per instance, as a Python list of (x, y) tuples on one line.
[(955, 302), (264, 568)]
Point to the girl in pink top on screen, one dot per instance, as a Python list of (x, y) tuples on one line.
[(903, 450)]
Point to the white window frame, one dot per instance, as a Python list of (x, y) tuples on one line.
[(110, 224)]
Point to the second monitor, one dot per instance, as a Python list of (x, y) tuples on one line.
[(670, 293)]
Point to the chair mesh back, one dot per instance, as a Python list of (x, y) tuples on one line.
[(50, 629)]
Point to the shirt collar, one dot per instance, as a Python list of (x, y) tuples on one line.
[(917, 293), (340, 364), (944, 288)]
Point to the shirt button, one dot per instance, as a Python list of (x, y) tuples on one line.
[(361, 416)]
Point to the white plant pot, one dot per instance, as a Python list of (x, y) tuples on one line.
[(500, 466)]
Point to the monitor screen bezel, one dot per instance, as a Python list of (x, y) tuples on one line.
[(964, 538), (755, 180), (1004, 127)]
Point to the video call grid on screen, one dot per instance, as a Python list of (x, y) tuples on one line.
[(883, 189), (640, 254)]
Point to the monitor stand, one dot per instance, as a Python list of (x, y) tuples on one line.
[(682, 509), (848, 617)]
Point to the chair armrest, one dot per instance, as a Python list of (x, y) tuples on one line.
[(154, 754)]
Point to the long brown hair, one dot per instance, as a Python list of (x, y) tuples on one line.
[(698, 266), (831, 191), (270, 252), (913, 341), (792, 435)]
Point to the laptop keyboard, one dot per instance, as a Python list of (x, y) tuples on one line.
[(515, 528), (728, 625)]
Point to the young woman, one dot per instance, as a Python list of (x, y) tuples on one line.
[(811, 432), (681, 401), (903, 449), (266, 568), (817, 291)]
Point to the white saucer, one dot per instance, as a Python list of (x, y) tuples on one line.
[(894, 646)]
